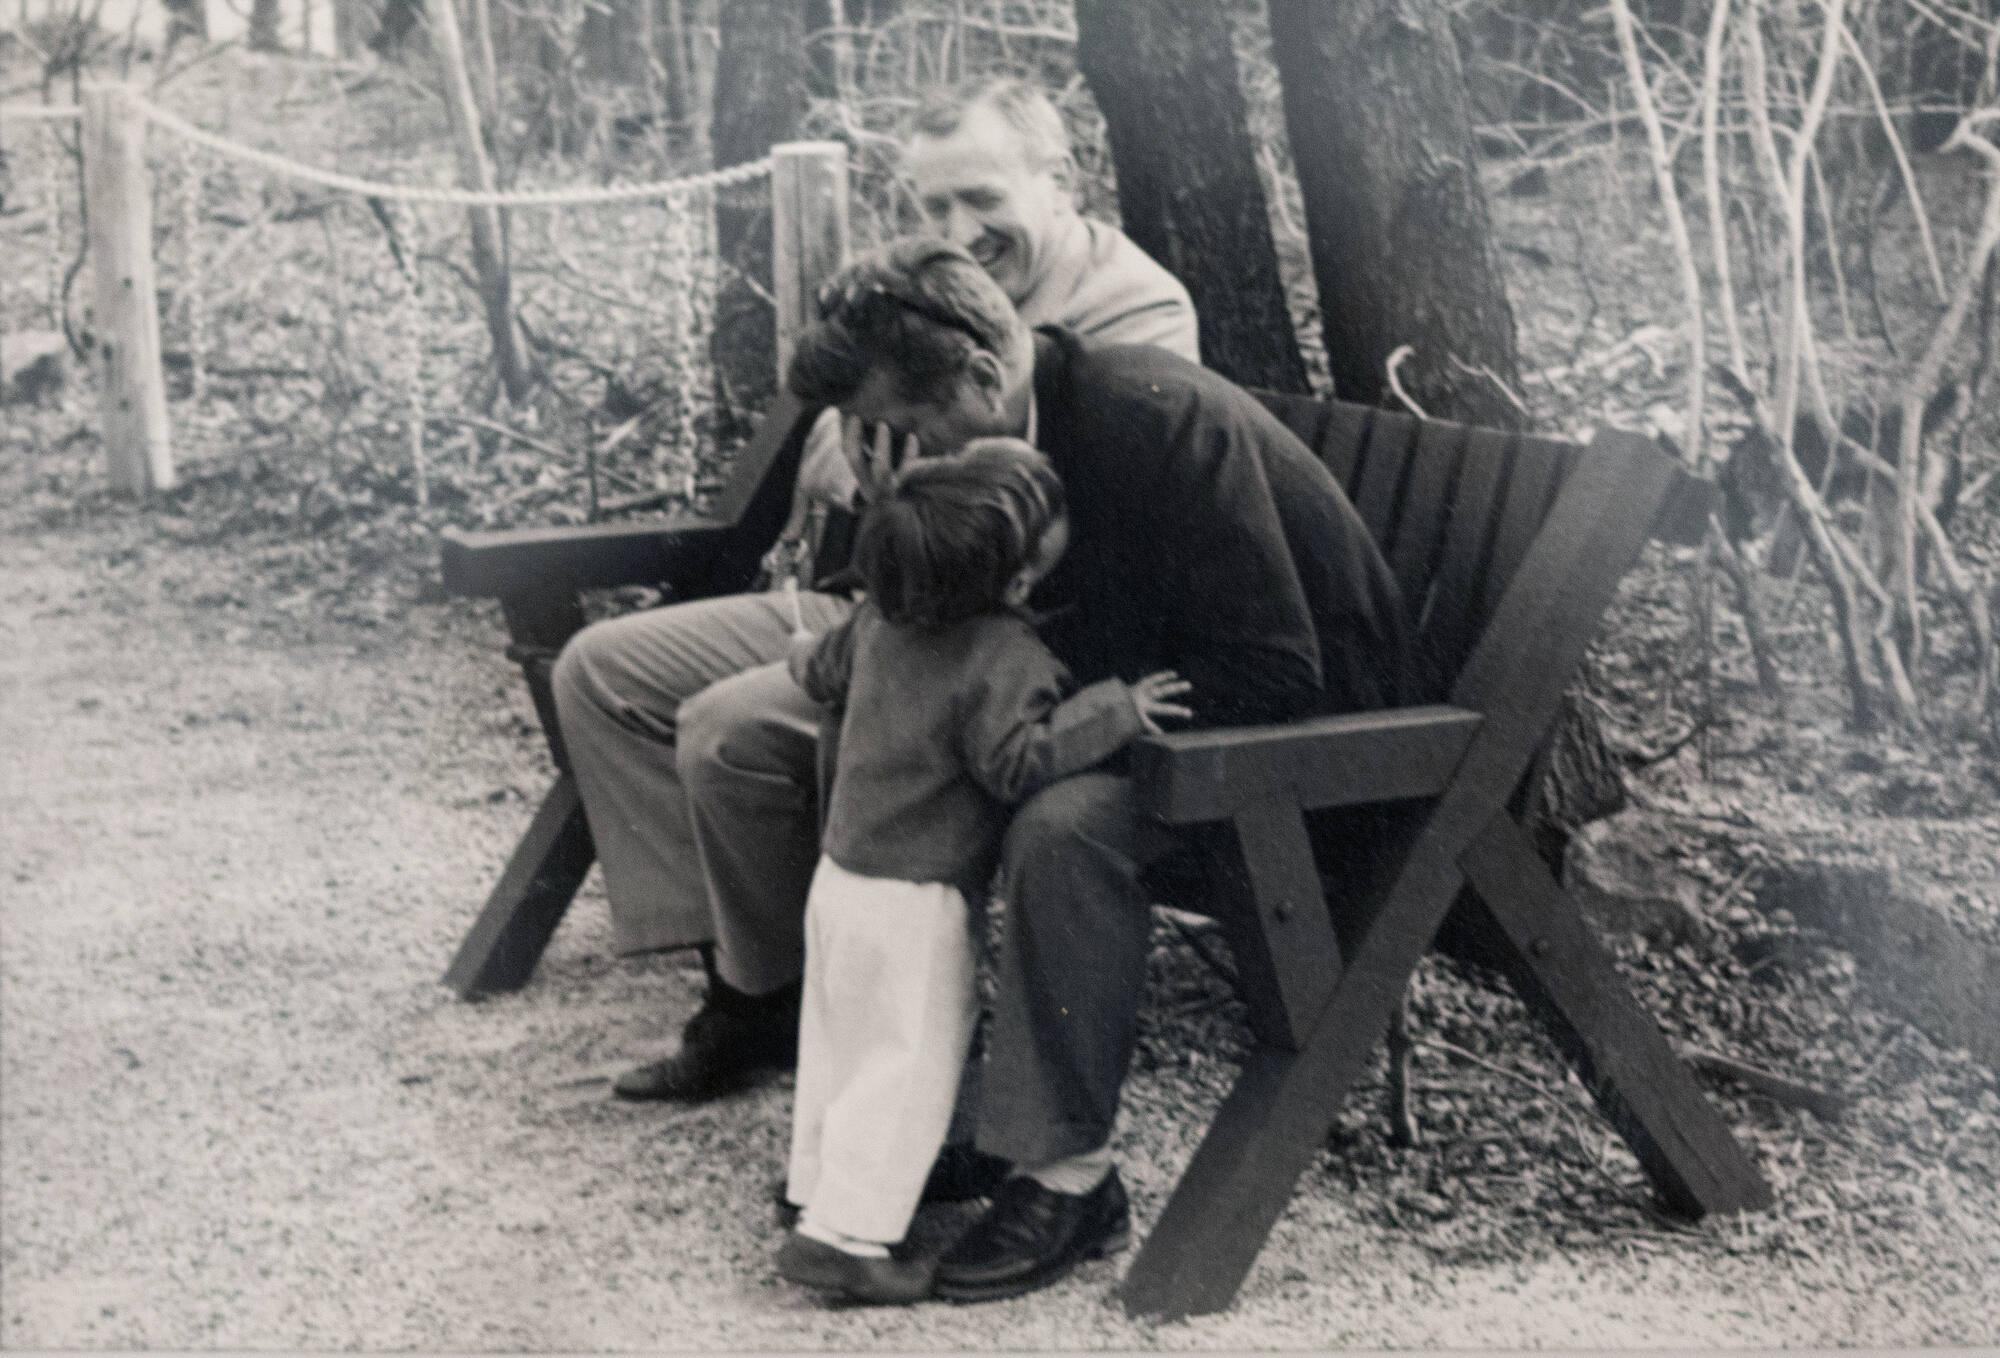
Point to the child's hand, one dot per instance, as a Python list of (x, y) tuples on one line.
[(1154, 697)]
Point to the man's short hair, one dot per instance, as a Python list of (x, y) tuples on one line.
[(1021, 105), (952, 532), (919, 307)]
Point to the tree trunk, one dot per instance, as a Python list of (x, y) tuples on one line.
[(485, 67), (1401, 242), (760, 96), (353, 21), (607, 39), (263, 34), (1402, 246), (1944, 72), (1188, 188), (703, 39), (488, 229), (675, 61), (399, 20), (186, 19)]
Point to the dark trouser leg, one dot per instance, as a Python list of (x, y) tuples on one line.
[(1070, 969)]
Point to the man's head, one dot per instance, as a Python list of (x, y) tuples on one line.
[(993, 172), (916, 337), (956, 537)]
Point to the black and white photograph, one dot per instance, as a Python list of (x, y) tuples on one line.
[(999, 675)]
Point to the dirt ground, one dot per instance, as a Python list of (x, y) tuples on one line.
[(241, 838)]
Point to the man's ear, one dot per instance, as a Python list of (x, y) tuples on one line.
[(1063, 172), (1019, 588)]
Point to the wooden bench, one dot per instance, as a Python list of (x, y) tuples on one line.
[(1508, 550)]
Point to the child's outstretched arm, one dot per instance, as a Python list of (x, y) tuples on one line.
[(1020, 734)]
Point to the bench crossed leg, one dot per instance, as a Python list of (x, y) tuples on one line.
[(521, 913), (1571, 984), (1277, 1116)]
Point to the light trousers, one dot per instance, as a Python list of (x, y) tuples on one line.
[(684, 718), (884, 1027)]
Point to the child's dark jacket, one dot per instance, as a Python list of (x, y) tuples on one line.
[(943, 732)]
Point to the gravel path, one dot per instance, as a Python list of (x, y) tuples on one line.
[(238, 843)]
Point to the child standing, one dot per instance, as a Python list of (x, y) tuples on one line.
[(952, 712)]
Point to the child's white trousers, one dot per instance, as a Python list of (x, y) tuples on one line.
[(884, 1027)]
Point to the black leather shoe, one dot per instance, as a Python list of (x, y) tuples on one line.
[(1031, 1236), (874, 1282), (963, 1172), (960, 1174), (730, 1038)]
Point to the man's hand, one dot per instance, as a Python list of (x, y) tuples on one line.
[(875, 455), (1155, 696)]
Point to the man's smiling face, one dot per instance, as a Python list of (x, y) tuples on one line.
[(978, 189)]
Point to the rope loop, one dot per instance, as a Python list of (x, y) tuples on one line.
[(417, 193)]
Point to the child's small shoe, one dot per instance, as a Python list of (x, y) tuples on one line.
[(882, 1281)]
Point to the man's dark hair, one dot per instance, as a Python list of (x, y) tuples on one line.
[(944, 543), (920, 307)]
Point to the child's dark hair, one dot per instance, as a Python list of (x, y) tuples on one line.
[(952, 532)]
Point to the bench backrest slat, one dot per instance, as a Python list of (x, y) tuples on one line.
[(1341, 428), (1420, 530), (1379, 478), (1454, 509), (1450, 612), (1537, 473)]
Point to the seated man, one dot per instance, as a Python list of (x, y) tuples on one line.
[(1205, 539), (993, 167)]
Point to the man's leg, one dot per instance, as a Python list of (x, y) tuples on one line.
[(748, 761), (1070, 973), (619, 686)]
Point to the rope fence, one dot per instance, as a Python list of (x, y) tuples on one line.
[(728, 177), (419, 193), (666, 272)]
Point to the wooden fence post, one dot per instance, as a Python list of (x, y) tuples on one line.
[(808, 231), (127, 311)]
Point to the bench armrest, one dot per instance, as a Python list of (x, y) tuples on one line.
[(698, 554), (526, 560), (1191, 776)]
